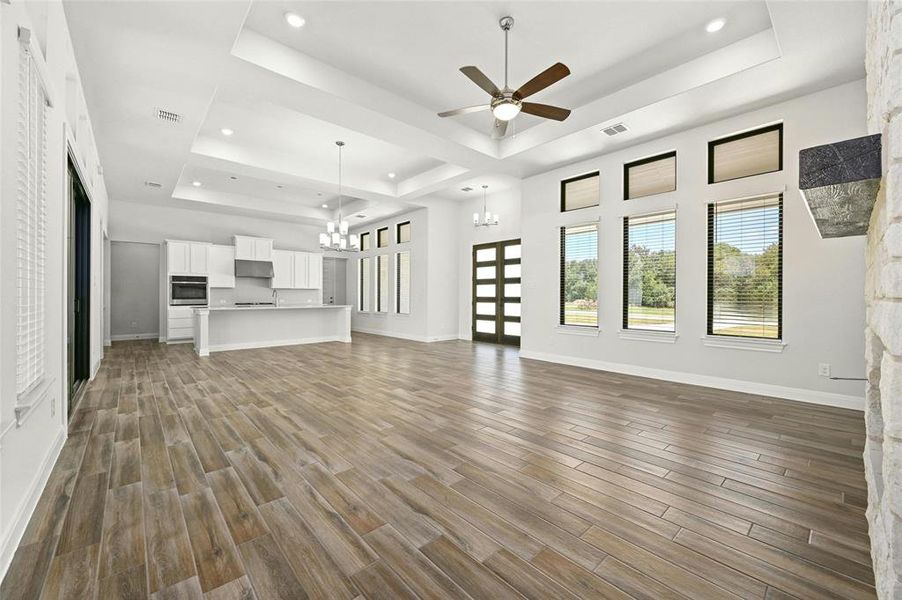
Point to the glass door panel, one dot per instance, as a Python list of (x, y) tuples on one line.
[(496, 292)]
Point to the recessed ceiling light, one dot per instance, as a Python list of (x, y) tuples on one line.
[(715, 25), (196, 183), (226, 131), (279, 187), (232, 177), (325, 206), (391, 175), (295, 20)]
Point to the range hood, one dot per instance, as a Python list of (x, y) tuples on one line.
[(254, 268)]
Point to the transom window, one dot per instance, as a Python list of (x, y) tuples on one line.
[(746, 154), (365, 240), (649, 176), (580, 192), (382, 237), (402, 232)]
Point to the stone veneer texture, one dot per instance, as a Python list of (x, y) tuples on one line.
[(883, 297)]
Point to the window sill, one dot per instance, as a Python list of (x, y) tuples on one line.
[(27, 402), (737, 343), (662, 337), (578, 330)]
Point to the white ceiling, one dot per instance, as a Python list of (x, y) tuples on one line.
[(374, 74)]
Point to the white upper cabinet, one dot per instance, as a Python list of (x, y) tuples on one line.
[(222, 266), (187, 258), (297, 270), (253, 248), (283, 269)]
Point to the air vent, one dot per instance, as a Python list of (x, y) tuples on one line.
[(361, 216), (466, 189), (153, 184), (615, 129), (167, 116)]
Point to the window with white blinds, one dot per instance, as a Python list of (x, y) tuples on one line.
[(579, 275), (363, 287), (402, 283), (649, 272), (382, 290), (745, 267), (31, 185)]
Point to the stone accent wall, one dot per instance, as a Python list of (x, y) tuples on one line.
[(883, 297)]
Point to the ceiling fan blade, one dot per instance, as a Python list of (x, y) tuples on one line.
[(546, 111), (500, 129), (465, 111), (551, 75), (480, 79)]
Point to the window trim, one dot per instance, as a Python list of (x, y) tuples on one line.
[(710, 336), (645, 161), (564, 183), (387, 241), (398, 231), (740, 136), (625, 266), (563, 266)]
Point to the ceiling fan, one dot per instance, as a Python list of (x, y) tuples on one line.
[(507, 103)]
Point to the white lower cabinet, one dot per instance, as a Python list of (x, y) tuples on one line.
[(180, 323)]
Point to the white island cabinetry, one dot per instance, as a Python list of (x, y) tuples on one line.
[(240, 327)]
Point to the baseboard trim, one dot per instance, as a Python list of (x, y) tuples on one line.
[(277, 343), (26, 509), (134, 336), (722, 383), (406, 336)]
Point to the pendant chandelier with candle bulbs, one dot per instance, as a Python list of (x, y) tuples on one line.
[(486, 219), (336, 238)]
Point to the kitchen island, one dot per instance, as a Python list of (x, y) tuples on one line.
[(221, 328)]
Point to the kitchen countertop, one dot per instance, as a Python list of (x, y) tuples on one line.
[(281, 307)]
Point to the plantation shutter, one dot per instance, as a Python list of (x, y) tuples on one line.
[(402, 283), (649, 272), (579, 275), (31, 186), (745, 267)]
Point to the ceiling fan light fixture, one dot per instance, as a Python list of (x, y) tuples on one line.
[(506, 110)]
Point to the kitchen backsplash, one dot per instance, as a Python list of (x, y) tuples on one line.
[(257, 290)]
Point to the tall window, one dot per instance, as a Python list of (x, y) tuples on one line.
[(580, 192), (649, 176), (363, 285), (579, 275), (365, 240), (402, 283), (402, 232), (382, 237), (382, 293), (745, 267), (746, 154), (31, 175), (649, 272)]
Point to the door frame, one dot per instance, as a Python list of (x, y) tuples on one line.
[(501, 260), (79, 224)]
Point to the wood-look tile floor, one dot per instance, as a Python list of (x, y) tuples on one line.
[(392, 469)]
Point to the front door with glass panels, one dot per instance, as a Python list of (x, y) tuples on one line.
[(496, 292)]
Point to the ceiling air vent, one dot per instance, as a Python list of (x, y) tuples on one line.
[(153, 184), (466, 189), (167, 116), (361, 216), (615, 129)]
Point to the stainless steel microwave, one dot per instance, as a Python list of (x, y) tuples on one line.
[(188, 290)]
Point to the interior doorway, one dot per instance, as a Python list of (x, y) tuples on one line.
[(78, 333), (496, 292), (335, 280)]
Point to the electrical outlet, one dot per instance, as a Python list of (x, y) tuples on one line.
[(823, 369), (134, 324)]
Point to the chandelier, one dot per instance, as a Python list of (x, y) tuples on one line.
[(487, 219), (336, 237)]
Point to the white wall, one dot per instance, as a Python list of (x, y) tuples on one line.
[(443, 238), (28, 452), (151, 223), (823, 279), (413, 326), (507, 204), (134, 290)]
